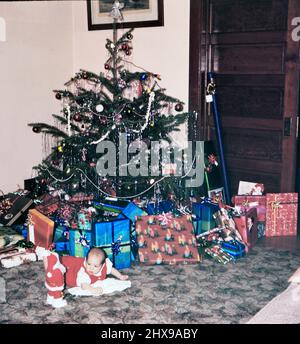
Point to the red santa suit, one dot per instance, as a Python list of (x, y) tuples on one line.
[(77, 274), (54, 282)]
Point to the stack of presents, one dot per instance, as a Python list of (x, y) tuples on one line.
[(151, 233)]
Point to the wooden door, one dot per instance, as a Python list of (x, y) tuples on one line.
[(249, 45)]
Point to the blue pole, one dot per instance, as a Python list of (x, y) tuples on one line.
[(218, 126)]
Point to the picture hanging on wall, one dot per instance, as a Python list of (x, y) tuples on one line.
[(136, 13)]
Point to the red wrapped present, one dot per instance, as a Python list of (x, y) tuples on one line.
[(247, 227), (48, 204), (164, 239), (246, 203), (40, 229), (282, 211)]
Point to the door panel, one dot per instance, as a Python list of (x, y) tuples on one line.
[(248, 45)]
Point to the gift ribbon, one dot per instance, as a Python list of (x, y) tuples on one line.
[(115, 245)]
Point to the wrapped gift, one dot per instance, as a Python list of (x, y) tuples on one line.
[(18, 259), (114, 237), (62, 246), (21, 229), (165, 239), (111, 207), (48, 205), (218, 254), (12, 206), (244, 203), (234, 248), (248, 188), (155, 208), (282, 210), (79, 242), (61, 233), (132, 211), (85, 218), (40, 229), (247, 226), (203, 216), (9, 237)]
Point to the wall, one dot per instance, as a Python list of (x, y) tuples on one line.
[(46, 43), (35, 59), (162, 50)]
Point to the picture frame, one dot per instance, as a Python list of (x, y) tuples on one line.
[(142, 13)]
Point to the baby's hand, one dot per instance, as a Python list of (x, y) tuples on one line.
[(124, 277)]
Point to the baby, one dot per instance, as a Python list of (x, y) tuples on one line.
[(86, 272)]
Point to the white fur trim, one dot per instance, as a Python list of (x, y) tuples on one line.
[(49, 274), (54, 288), (82, 277)]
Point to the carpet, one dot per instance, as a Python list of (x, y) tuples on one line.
[(283, 309), (207, 293)]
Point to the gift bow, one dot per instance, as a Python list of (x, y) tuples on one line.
[(165, 218), (275, 205), (246, 203), (115, 247)]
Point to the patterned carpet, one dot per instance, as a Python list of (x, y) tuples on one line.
[(195, 294)]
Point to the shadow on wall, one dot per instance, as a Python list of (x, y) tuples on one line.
[(2, 30)]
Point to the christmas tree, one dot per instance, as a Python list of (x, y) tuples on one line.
[(117, 106)]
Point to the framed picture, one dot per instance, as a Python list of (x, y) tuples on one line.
[(136, 13), (216, 195)]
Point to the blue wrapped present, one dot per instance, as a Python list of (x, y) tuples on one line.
[(155, 208), (21, 229), (234, 248), (113, 207), (61, 233), (131, 211), (203, 219), (62, 246), (114, 237), (80, 242)]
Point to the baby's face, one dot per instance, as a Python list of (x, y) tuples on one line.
[(93, 264)]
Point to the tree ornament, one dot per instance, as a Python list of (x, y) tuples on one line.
[(128, 52), (58, 96), (77, 117), (178, 107), (122, 83), (60, 149), (68, 170), (129, 36), (99, 108), (106, 66), (84, 76), (124, 46), (143, 76), (36, 130), (109, 45)]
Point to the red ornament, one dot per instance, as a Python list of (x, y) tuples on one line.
[(128, 52), (179, 107), (36, 130), (58, 96), (124, 46), (77, 117), (106, 66)]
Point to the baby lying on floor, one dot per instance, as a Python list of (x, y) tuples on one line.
[(84, 276)]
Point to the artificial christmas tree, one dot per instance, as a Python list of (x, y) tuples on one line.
[(118, 107)]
